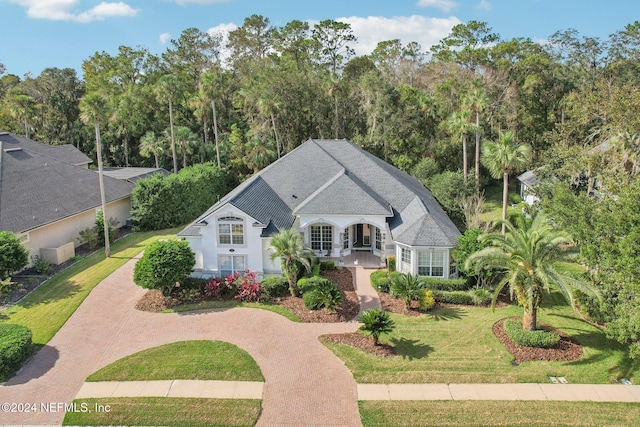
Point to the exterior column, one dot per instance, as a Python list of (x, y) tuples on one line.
[(383, 251)]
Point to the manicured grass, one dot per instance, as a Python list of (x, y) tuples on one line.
[(47, 308), (207, 305), (166, 411), (184, 360), (498, 413), (457, 345), (493, 200)]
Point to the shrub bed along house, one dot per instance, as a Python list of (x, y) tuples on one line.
[(15, 348), (539, 338)]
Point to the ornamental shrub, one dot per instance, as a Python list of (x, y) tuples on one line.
[(327, 265), (539, 338), (13, 255), (407, 286), (309, 283), (426, 300), (163, 265), (275, 286), (376, 322), (249, 289), (391, 263), (15, 348), (321, 293), (480, 296)]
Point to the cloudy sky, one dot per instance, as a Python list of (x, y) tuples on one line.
[(36, 34)]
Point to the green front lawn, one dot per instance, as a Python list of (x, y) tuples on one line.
[(498, 413), (47, 308), (184, 360), (457, 345), (165, 411), (207, 305)]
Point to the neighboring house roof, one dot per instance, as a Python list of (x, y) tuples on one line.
[(37, 189), (133, 174), (336, 177), (528, 178), (65, 153)]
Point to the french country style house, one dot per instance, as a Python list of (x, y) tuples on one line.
[(350, 206)]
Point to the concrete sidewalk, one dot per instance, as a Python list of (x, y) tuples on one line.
[(173, 388), (573, 392), (253, 390)]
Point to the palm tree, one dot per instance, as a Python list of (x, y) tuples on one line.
[(459, 126), (209, 85), (94, 109), (21, 106), (288, 245), (185, 141), (166, 90), (502, 158), (258, 155), (529, 254), (150, 145), (477, 100)]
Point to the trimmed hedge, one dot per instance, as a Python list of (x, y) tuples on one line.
[(327, 265), (539, 338), (275, 286), (453, 297), (436, 284), (15, 348), (162, 202)]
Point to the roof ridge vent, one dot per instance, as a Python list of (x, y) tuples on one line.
[(11, 150)]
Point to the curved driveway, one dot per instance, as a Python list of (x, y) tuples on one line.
[(305, 384)]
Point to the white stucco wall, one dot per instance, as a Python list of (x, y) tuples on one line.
[(208, 250)]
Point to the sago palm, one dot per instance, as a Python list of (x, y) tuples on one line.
[(529, 256)]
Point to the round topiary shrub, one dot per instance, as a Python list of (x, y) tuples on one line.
[(15, 348), (539, 338), (164, 264)]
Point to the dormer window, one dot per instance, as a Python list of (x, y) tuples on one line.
[(230, 230)]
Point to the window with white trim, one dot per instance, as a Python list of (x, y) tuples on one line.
[(345, 238), (230, 231), (229, 264), (431, 263), (378, 239), (321, 237), (405, 260)]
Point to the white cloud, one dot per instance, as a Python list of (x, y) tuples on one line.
[(373, 29), (443, 5), (223, 31), (484, 5), (65, 10), (165, 37)]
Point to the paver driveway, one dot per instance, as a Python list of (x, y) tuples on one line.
[(305, 384)]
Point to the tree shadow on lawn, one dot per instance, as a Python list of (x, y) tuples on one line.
[(49, 292), (410, 349), (443, 313)]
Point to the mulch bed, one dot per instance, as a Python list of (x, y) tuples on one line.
[(566, 350), (398, 306), (361, 342), (344, 313)]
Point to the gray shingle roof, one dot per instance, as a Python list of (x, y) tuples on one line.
[(337, 177), (134, 174), (37, 189), (66, 153)]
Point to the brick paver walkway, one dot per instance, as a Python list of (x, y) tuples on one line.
[(304, 383)]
